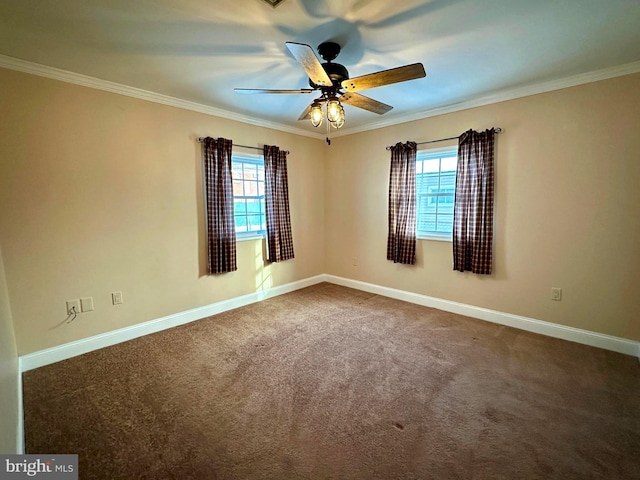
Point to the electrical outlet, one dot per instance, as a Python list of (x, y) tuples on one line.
[(556, 294), (73, 307), (86, 303), (116, 298)]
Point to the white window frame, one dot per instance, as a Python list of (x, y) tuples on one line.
[(247, 158), (430, 154)]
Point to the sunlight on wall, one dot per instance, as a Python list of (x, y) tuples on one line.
[(263, 271)]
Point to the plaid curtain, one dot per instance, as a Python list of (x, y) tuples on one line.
[(473, 210), (401, 241), (221, 229), (279, 238)]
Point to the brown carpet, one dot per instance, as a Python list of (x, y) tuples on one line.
[(333, 383)]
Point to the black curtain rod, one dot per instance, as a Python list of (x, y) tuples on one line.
[(496, 129), (201, 139)]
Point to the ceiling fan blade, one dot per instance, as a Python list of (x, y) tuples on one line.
[(306, 112), (305, 57), (385, 77), (251, 91), (366, 103)]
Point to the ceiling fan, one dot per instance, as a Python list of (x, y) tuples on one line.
[(332, 81)]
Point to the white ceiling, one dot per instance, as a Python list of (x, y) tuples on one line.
[(199, 50)]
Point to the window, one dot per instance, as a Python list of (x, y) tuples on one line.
[(435, 192), (248, 195)]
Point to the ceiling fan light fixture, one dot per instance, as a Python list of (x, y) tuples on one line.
[(340, 120), (316, 114), (333, 110), (338, 124)]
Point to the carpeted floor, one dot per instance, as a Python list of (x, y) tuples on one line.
[(333, 383)]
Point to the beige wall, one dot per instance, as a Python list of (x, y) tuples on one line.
[(567, 208), (100, 192), (8, 372)]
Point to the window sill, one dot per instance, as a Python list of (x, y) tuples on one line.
[(435, 237), (242, 238)]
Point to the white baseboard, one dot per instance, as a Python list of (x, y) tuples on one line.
[(586, 337), (73, 349)]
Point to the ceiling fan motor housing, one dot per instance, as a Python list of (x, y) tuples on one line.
[(329, 50), (337, 73)]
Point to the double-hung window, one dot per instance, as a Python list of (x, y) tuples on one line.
[(248, 195), (435, 192)]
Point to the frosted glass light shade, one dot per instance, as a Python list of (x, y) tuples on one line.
[(316, 115), (333, 110)]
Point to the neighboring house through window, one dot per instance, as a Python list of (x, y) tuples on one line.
[(435, 192), (248, 195)]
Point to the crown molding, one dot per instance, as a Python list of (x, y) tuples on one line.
[(501, 96), (113, 87)]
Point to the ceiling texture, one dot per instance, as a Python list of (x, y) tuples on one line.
[(196, 51)]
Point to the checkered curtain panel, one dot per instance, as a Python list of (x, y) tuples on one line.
[(473, 210), (279, 238), (221, 229), (401, 241)]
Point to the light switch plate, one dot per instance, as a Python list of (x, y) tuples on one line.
[(116, 298), (86, 303)]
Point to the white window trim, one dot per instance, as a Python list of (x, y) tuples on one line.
[(443, 238), (246, 236), (425, 154), (252, 158)]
